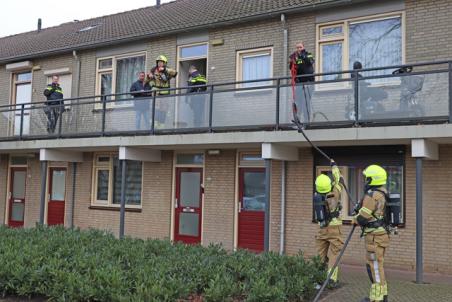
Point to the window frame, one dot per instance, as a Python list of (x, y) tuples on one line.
[(113, 71), (108, 166), (254, 52), (344, 38)]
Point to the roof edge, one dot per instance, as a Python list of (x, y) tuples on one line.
[(300, 9)]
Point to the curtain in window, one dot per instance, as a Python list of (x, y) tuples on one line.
[(256, 67), (105, 85), (376, 44), (331, 60), (133, 182), (126, 73)]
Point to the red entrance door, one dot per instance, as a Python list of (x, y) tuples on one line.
[(57, 193), (251, 209), (17, 197), (188, 205)]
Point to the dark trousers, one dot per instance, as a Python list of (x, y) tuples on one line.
[(53, 113), (303, 94), (197, 105)]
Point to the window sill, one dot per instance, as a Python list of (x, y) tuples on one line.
[(116, 209), (254, 92)]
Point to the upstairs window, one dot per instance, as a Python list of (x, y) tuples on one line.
[(254, 64), (375, 42), (116, 74)]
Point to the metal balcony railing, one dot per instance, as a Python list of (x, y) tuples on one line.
[(367, 97)]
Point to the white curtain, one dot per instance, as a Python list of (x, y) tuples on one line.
[(256, 67), (332, 60), (127, 72)]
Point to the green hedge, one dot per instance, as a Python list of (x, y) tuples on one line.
[(66, 265)]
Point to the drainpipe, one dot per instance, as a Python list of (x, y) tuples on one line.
[(283, 93), (74, 174), (283, 208), (285, 44), (76, 83)]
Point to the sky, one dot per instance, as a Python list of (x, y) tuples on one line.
[(22, 16)]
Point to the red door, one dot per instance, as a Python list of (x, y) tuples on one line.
[(57, 193), (188, 205), (17, 197), (251, 209)]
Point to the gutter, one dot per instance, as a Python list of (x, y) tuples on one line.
[(303, 8)]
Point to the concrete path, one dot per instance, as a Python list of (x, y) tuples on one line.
[(355, 285)]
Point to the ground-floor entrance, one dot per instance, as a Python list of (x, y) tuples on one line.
[(188, 205), (56, 196), (18, 181)]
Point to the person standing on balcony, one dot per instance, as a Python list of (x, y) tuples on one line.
[(197, 83), (327, 208), (302, 63), (54, 105), (140, 90), (160, 77)]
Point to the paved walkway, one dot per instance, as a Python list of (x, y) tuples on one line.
[(355, 285)]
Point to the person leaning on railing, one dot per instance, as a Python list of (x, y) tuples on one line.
[(54, 105), (140, 89), (197, 83), (159, 78)]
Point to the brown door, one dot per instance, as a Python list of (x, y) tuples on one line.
[(17, 197), (57, 193), (188, 205), (251, 209)]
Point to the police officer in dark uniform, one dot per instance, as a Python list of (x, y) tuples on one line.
[(197, 83), (302, 63), (54, 105)]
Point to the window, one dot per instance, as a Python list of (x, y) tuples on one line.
[(190, 159), (193, 51), (22, 94), (254, 65), (107, 181), (251, 159), (374, 42), (352, 163), (115, 75)]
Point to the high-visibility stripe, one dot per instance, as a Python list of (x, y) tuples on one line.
[(377, 272), (366, 210)]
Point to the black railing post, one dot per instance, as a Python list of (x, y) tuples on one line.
[(60, 121), (278, 92), (211, 109), (22, 114), (356, 96), (154, 98), (450, 92), (104, 111)]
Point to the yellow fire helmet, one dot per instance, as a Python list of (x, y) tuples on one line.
[(375, 175), (323, 184), (162, 58)]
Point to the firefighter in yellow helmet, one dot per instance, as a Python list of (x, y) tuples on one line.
[(371, 218), (159, 79), (327, 208)]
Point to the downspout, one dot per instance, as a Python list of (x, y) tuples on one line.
[(285, 44), (283, 163), (76, 83), (283, 209)]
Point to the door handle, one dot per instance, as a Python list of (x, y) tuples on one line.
[(188, 210), (176, 203)]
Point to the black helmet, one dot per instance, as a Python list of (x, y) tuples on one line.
[(357, 65)]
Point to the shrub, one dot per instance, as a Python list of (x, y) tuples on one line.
[(75, 265)]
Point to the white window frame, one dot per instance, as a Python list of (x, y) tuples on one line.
[(109, 167), (113, 72), (344, 38), (255, 52)]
